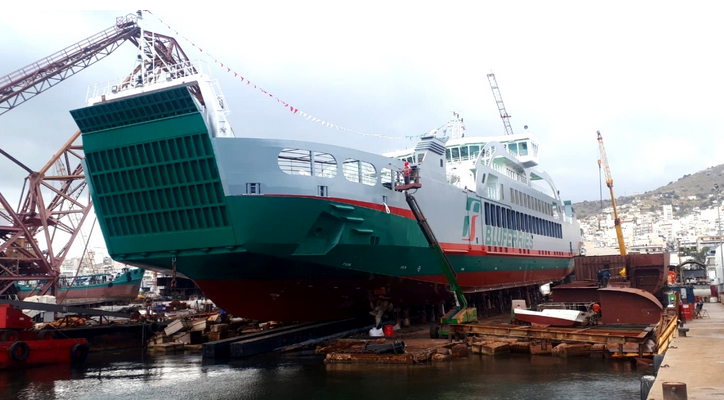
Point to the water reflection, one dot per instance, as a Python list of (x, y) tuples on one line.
[(125, 375)]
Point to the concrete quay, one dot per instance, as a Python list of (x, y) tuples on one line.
[(697, 359)]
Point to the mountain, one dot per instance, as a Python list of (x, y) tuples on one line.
[(687, 192)]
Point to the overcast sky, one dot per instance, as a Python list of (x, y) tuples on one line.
[(646, 74)]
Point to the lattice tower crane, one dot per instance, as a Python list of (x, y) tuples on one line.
[(609, 183), (499, 102), (37, 220)]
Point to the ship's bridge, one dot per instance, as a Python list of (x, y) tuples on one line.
[(465, 150)]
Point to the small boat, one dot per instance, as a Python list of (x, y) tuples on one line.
[(20, 346), (551, 317), (92, 289)]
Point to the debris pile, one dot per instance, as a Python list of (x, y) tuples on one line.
[(191, 332)]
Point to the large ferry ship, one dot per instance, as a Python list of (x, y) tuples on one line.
[(300, 231)]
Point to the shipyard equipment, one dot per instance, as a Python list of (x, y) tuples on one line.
[(499, 102), (461, 313), (609, 183), (36, 236)]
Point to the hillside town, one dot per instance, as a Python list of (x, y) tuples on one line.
[(687, 231)]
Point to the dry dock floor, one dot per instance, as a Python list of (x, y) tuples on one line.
[(697, 359)]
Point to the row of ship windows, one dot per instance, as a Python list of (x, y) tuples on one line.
[(324, 165), (530, 202), (498, 216)]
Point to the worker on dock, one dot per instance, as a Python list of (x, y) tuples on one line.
[(599, 276), (606, 276), (596, 316)]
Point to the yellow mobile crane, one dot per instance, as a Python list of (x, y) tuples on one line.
[(609, 183)]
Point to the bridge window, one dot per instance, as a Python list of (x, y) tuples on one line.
[(474, 151), (523, 148), (464, 153), (455, 154)]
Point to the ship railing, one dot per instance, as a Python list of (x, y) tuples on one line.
[(509, 172), (147, 79)]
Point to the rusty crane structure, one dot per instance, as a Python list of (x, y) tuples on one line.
[(35, 236)]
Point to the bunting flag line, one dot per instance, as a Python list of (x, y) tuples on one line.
[(286, 105)]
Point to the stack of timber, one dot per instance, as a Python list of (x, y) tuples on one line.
[(389, 351)]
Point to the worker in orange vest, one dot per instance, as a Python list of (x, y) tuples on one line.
[(596, 313), (406, 172)]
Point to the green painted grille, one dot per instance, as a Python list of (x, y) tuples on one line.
[(153, 106), (158, 187)]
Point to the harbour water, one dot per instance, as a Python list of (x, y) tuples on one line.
[(304, 375)]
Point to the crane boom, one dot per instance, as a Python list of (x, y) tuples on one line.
[(27, 82), (160, 51), (609, 183), (499, 102)]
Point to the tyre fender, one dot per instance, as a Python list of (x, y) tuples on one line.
[(79, 352), (19, 351)]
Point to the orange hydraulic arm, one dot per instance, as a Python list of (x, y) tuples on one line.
[(609, 183)]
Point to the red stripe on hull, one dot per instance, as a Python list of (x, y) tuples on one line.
[(402, 212)]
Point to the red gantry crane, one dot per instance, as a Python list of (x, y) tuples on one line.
[(499, 101), (35, 237), (609, 182)]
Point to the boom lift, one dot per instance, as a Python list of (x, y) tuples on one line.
[(609, 183), (461, 314)]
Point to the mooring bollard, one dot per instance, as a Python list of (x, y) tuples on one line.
[(674, 390)]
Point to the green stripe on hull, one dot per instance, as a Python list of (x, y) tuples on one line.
[(311, 231)]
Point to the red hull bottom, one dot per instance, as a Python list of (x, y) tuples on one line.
[(316, 300), (328, 299)]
